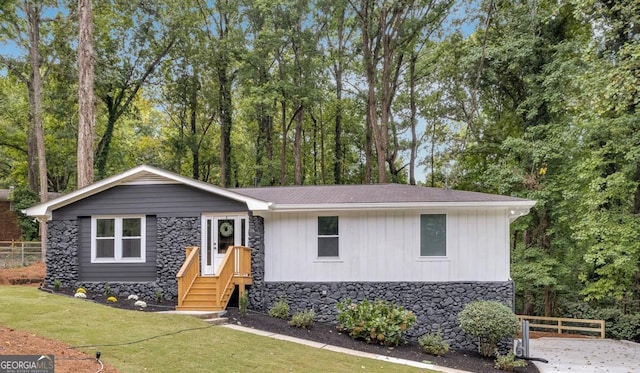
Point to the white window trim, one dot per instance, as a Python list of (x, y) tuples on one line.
[(328, 259), (117, 246), (434, 258)]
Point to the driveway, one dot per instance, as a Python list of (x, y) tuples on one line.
[(582, 355)]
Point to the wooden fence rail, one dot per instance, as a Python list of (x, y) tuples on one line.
[(16, 253), (558, 324)]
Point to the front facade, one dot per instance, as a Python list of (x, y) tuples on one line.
[(314, 246)]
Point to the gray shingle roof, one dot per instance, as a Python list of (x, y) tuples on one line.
[(368, 193)]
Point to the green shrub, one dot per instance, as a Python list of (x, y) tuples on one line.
[(434, 344), (619, 325), (508, 362), (302, 319), (280, 309), (56, 284), (490, 322), (380, 321), (243, 303)]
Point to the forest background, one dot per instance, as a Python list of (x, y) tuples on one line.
[(537, 99)]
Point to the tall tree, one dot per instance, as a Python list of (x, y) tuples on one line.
[(388, 29), (86, 99), (127, 55)]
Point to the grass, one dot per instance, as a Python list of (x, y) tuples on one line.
[(212, 349)]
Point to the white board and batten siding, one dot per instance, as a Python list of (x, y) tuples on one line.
[(380, 246)]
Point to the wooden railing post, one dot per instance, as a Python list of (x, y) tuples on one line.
[(188, 272)]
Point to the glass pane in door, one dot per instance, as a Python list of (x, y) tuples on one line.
[(226, 234)]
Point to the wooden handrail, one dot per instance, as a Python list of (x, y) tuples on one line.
[(188, 272), (559, 324), (236, 263)]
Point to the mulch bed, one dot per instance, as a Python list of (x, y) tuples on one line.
[(122, 302), (470, 361), (326, 333)]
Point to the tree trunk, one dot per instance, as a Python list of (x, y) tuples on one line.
[(412, 119), (102, 152), (193, 142), (225, 106), (283, 153), (548, 301), (35, 112), (86, 99), (297, 143)]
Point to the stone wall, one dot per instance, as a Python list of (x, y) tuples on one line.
[(62, 253), (436, 305), (174, 235)]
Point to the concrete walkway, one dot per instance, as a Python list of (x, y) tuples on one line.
[(323, 346), (582, 355)]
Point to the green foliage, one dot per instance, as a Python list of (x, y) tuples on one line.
[(159, 295), (302, 319), (434, 344), (508, 362), (490, 322), (280, 309), (22, 198), (380, 321), (107, 289), (56, 284), (243, 303)]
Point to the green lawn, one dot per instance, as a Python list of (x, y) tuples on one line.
[(215, 349)]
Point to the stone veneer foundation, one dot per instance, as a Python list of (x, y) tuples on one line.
[(435, 304)]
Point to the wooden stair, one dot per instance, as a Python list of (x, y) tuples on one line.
[(203, 295), (212, 293)]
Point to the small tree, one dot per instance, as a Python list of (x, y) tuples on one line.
[(490, 322)]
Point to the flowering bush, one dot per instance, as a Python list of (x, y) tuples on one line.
[(80, 295), (112, 299), (81, 290), (140, 303), (133, 297), (380, 321)]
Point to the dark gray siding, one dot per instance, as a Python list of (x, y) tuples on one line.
[(162, 200), (116, 272)]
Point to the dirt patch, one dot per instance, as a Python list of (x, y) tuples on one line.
[(29, 275), (67, 360)]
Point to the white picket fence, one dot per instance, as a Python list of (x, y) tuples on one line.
[(19, 253)]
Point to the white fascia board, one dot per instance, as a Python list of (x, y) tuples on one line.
[(44, 210), (517, 206), (252, 203)]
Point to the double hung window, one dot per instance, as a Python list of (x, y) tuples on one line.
[(118, 239)]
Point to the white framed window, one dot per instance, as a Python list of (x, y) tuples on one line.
[(328, 238), (433, 235), (118, 239)]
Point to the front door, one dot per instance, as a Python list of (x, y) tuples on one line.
[(219, 233)]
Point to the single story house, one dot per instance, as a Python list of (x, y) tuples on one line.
[(148, 230)]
